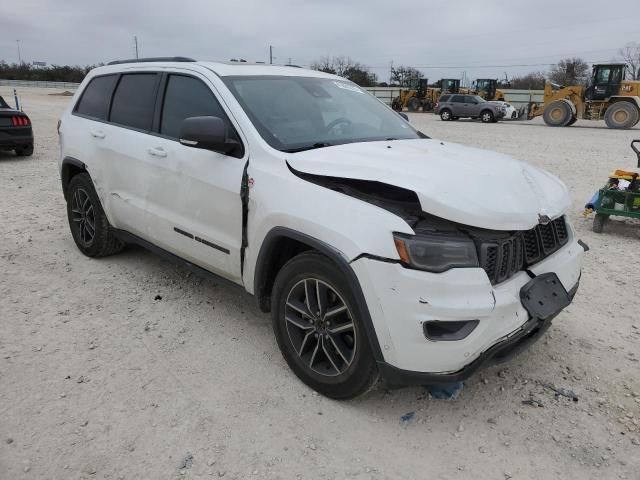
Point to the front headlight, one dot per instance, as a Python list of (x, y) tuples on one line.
[(436, 253)]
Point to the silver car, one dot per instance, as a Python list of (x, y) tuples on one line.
[(455, 106)]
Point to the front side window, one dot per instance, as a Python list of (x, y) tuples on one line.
[(95, 99), (186, 97), (134, 100), (603, 75), (297, 113)]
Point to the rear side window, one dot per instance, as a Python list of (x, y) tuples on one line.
[(134, 100), (187, 97), (457, 99), (95, 99)]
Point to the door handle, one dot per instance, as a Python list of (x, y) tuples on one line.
[(156, 152), (97, 134)]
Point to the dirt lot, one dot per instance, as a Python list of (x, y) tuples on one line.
[(102, 378)]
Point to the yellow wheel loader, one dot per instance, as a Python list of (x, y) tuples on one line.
[(419, 95), (608, 96), (487, 88)]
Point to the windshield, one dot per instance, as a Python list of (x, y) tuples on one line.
[(299, 113), (3, 104)]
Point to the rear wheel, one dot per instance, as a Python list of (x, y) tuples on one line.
[(318, 327), (445, 115), (557, 114), (621, 115), (88, 223), (487, 116), (413, 105), (599, 221), (25, 151)]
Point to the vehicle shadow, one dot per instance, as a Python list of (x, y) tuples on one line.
[(623, 227)]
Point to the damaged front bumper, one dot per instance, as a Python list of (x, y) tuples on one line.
[(401, 300)]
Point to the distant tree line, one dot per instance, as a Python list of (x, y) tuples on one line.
[(52, 73)]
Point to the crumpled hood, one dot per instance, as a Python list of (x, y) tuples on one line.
[(467, 185)]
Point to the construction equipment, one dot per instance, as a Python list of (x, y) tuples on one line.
[(619, 197), (487, 88), (608, 96), (419, 95)]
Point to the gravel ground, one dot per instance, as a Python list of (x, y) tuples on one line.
[(130, 367)]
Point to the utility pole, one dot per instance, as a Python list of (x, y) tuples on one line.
[(270, 54), (135, 41), (19, 54)]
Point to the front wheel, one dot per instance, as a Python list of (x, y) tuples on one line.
[(319, 328), (599, 222), (487, 116)]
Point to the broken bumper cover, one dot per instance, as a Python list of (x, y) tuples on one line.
[(401, 300), (502, 351)]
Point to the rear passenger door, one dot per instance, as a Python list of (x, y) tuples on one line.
[(457, 105), (126, 141), (192, 201)]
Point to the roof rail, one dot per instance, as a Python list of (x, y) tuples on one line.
[(152, 59)]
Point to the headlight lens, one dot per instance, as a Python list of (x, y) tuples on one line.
[(436, 253)]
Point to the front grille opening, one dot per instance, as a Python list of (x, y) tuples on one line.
[(502, 258)]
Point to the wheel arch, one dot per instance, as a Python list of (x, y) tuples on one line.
[(279, 246), (69, 169), (635, 100)]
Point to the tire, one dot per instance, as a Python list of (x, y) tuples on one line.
[(445, 115), (599, 222), (343, 367), (87, 221), (24, 151), (487, 116), (413, 105), (557, 114), (621, 115), (573, 120)]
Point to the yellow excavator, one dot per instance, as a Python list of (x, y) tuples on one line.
[(608, 96)]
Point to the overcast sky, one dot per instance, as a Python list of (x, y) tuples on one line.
[(442, 39)]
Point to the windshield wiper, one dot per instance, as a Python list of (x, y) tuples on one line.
[(307, 147)]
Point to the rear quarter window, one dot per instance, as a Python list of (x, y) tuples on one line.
[(95, 99), (134, 100)]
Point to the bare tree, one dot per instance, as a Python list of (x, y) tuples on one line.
[(630, 53), (570, 71), (402, 75), (324, 64), (530, 81)]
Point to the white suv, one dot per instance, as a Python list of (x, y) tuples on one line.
[(378, 250)]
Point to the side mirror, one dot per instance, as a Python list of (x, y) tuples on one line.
[(204, 132), (404, 115)]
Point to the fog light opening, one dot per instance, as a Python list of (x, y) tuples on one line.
[(443, 331)]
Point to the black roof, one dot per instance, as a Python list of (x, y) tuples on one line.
[(152, 59)]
